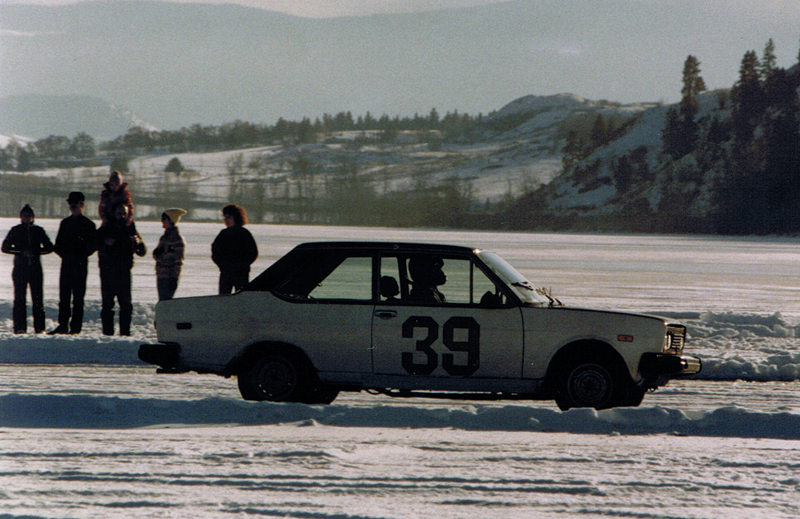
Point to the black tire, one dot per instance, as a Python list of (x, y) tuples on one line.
[(277, 378), (322, 394), (635, 395), (591, 383)]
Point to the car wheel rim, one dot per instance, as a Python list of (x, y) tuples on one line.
[(276, 379), (589, 386)]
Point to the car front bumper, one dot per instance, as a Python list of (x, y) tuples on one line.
[(657, 365)]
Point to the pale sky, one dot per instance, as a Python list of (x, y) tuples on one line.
[(471, 60), (315, 8)]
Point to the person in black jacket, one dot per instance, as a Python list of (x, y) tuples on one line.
[(234, 250), (74, 245), (27, 242), (117, 241)]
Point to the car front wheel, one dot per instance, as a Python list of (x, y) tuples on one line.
[(590, 383)]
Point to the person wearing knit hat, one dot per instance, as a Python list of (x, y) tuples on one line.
[(74, 244), (27, 242), (173, 214), (169, 254)]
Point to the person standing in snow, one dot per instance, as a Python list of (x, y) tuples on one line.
[(234, 250), (115, 192), (27, 242), (117, 241), (169, 254), (74, 245)]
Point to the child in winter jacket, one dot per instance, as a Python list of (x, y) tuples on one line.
[(115, 192), (169, 254)]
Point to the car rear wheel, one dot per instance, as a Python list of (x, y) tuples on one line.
[(591, 383), (277, 378), (322, 394)]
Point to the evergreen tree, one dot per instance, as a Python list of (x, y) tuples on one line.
[(174, 166), (119, 163), (780, 91), (768, 61), (573, 152), (748, 100), (600, 131), (82, 146), (671, 135), (24, 160), (693, 86), (782, 174), (623, 175), (681, 130)]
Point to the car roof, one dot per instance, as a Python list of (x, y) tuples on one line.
[(387, 246), (278, 270)]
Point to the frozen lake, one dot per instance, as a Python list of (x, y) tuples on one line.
[(86, 431), (628, 272)]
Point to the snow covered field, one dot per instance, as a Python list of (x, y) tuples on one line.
[(86, 430)]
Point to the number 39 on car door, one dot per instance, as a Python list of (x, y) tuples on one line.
[(443, 318)]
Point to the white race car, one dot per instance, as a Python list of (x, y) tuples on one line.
[(409, 319)]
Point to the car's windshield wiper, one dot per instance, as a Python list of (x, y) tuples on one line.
[(523, 284), (549, 295)]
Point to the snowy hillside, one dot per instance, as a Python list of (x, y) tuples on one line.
[(513, 151), (598, 193), (727, 173)]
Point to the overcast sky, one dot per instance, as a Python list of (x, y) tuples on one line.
[(316, 8), (620, 50), (334, 8)]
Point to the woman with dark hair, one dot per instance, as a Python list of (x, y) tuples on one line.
[(234, 250)]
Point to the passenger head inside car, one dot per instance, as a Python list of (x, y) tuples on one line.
[(389, 288)]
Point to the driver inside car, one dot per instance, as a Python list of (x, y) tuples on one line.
[(426, 275)]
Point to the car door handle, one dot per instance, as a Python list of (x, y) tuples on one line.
[(386, 314)]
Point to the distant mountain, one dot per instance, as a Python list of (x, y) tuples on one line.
[(178, 64), (38, 116)]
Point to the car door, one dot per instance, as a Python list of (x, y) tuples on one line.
[(461, 333), (328, 311)]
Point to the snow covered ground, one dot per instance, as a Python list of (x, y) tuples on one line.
[(86, 430)]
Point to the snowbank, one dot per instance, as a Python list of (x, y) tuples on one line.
[(733, 346), (744, 346), (93, 412)]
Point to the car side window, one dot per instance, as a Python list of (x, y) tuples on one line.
[(351, 279), (427, 279)]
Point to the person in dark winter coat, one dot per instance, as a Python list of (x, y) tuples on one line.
[(115, 192), (169, 254), (234, 250), (117, 241), (27, 242), (74, 245)]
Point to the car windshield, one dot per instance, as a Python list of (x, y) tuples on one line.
[(524, 289)]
